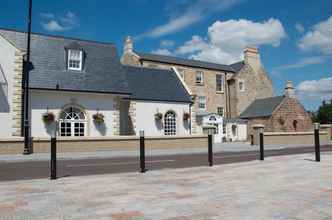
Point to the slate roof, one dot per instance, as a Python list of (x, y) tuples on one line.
[(185, 62), (237, 66), (155, 84), (262, 107), (102, 71)]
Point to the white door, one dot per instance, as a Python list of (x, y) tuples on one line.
[(218, 133)]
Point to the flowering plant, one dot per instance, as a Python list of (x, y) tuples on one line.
[(98, 117), (158, 116), (48, 117), (186, 116)]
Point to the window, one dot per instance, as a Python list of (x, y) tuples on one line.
[(295, 125), (75, 58), (219, 83), (72, 122), (170, 123), (220, 111), (202, 102), (3, 83), (199, 78), (241, 86), (181, 72)]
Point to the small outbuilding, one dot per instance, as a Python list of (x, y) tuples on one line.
[(278, 114), (235, 129)]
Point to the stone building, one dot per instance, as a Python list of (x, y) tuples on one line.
[(79, 88), (224, 90), (278, 114), (249, 82)]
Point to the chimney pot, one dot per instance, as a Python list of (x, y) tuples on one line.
[(289, 89), (129, 45)]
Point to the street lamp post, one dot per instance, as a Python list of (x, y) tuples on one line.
[(27, 139)]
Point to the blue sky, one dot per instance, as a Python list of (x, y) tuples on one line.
[(294, 37)]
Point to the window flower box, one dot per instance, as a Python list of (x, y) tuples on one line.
[(158, 116), (98, 118), (48, 117)]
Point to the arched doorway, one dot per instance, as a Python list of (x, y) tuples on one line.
[(72, 122), (170, 123)]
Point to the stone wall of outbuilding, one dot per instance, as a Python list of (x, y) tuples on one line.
[(290, 116)]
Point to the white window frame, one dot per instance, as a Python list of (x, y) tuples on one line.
[(200, 76), (71, 119), (243, 86), (222, 77), (80, 59), (201, 102), (223, 111), (170, 125)]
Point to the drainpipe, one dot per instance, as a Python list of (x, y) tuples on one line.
[(190, 118), (226, 96)]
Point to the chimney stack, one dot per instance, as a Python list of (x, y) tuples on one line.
[(289, 89), (128, 45), (252, 58)]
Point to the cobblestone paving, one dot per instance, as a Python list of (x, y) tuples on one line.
[(289, 187)]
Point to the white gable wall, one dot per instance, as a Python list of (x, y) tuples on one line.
[(145, 111), (7, 58), (54, 101)]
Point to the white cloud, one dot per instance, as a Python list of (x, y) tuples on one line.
[(319, 38), (162, 52), (315, 89), (226, 40), (167, 43), (299, 27), (47, 15), (53, 23), (306, 61), (191, 13)]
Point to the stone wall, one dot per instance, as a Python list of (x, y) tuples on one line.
[(282, 120), (257, 85), (130, 59), (262, 121), (295, 138), (92, 144), (290, 117)]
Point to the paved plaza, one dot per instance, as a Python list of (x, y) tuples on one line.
[(288, 187)]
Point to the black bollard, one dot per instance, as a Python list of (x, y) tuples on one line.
[(210, 146), (317, 144), (53, 158), (142, 151), (261, 145)]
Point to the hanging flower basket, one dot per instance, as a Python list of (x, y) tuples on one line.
[(98, 118), (48, 117), (158, 116), (186, 116)]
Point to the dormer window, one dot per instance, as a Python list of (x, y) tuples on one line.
[(75, 59)]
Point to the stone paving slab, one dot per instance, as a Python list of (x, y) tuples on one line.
[(289, 187)]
